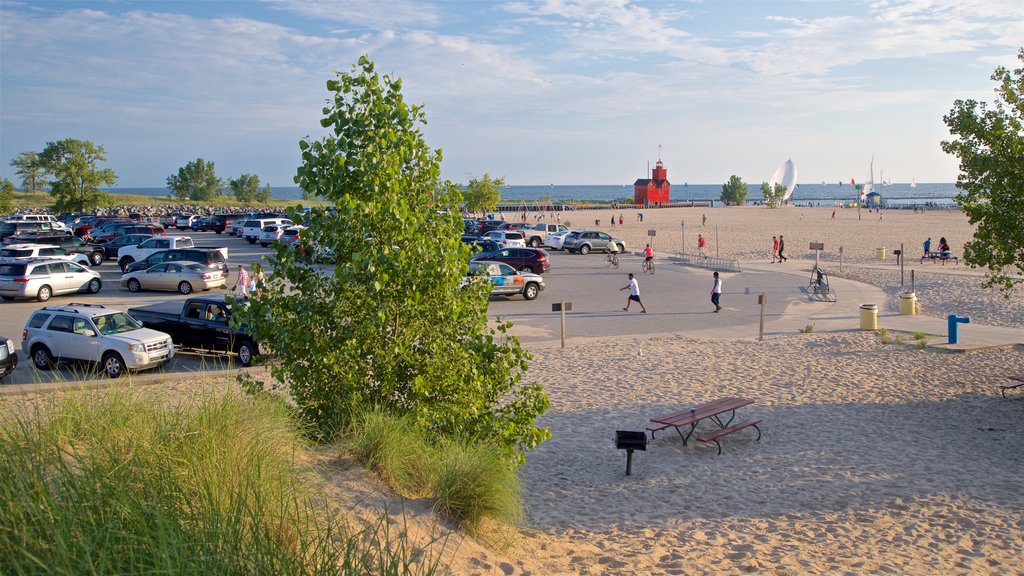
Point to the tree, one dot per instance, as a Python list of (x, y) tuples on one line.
[(246, 187), (31, 171), (773, 195), (734, 192), (264, 194), (483, 195), (197, 180), (6, 196), (74, 165), (392, 326), (990, 146)]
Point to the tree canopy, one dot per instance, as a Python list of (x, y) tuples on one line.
[(30, 170), (773, 195), (392, 326), (74, 165), (6, 196), (196, 180), (246, 188), (989, 141), (483, 194), (734, 192)]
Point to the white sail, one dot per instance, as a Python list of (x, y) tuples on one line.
[(785, 175), (870, 183), (913, 183)]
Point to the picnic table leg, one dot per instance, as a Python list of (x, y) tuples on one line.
[(688, 434), (732, 414)]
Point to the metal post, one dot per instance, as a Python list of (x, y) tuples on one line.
[(629, 462), (763, 299), (840, 258), (901, 264), (563, 324), (717, 255), (816, 252), (911, 280)]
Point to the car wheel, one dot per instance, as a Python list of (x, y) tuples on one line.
[(8, 298), (113, 365), (585, 249), (97, 258), (185, 288), (44, 293), (263, 244), (134, 285), (125, 262), (535, 242), (528, 269), (622, 248), (94, 285), (250, 240), (218, 231), (41, 357), (246, 352), (531, 291)]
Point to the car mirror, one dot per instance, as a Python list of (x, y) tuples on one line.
[(88, 332)]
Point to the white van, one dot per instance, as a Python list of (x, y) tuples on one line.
[(33, 218), (252, 229)]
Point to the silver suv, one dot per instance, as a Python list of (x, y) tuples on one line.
[(41, 278), (94, 334), (584, 241)]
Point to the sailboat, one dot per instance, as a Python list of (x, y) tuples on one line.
[(785, 175), (913, 183), (870, 183)]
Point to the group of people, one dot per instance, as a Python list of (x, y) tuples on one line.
[(943, 247), (778, 245), (634, 293), (247, 284)]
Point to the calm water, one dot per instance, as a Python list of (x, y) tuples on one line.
[(831, 193)]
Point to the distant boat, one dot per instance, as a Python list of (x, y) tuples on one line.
[(869, 185), (785, 175), (913, 183)]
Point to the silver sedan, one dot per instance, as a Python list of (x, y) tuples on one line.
[(184, 277)]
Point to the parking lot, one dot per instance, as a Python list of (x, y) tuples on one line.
[(676, 297)]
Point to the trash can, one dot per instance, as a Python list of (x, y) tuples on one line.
[(869, 317), (908, 304), (880, 253)]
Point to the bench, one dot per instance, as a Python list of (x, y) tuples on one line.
[(714, 435), (1015, 382), (933, 256)]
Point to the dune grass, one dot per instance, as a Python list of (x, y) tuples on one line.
[(115, 482), (470, 483)]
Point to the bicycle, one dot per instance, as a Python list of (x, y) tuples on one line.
[(613, 259), (648, 266)]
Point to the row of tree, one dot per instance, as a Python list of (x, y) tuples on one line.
[(734, 192), (71, 169)]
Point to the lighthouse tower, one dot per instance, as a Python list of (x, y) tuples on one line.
[(654, 190)]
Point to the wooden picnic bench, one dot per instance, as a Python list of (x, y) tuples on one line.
[(1015, 382), (941, 256), (721, 412)]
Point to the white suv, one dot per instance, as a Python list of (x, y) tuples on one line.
[(507, 238), (251, 229), (43, 251), (94, 334)]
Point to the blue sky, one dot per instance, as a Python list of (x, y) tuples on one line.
[(547, 91)]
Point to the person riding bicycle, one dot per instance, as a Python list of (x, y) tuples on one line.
[(648, 253), (613, 254)]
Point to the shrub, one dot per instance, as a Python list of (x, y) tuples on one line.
[(473, 483), (392, 447), (806, 329)]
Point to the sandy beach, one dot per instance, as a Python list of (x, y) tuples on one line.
[(877, 457)]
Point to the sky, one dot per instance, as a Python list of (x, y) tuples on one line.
[(538, 92)]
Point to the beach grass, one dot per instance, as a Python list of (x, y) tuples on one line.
[(116, 482)]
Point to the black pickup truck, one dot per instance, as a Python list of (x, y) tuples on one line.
[(199, 323)]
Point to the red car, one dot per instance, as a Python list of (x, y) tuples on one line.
[(532, 260)]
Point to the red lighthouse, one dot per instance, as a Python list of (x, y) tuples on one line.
[(653, 190)]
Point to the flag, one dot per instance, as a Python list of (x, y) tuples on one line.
[(852, 183)]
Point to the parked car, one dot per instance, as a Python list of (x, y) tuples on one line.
[(8, 357), (24, 251), (42, 278), (488, 225), (111, 247), (536, 234), (221, 223), (126, 255), (211, 257), (200, 323), (504, 280), (184, 221), (202, 223), (271, 235), (532, 260), (132, 228), (75, 245), (555, 239), (185, 277), (252, 229), (11, 228), (585, 241), (478, 244), (506, 238), (94, 334), (290, 234)]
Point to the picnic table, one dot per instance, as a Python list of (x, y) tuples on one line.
[(940, 256), (721, 412)]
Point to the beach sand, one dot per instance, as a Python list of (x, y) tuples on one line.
[(876, 457)]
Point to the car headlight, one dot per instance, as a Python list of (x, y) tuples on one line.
[(10, 346), (136, 347)]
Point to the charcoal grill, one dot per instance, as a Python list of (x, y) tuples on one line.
[(630, 440)]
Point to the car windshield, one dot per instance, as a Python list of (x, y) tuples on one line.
[(116, 323)]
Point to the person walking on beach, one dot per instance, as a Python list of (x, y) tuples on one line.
[(782, 246), (927, 246), (775, 248), (833, 215), (701, 245), (621, 220), (241, 287), (704, 219), (716, 292), (634, 294)]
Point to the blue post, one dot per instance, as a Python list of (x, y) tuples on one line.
[(953, 320)]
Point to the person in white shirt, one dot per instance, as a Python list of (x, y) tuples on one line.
[(716, 292), (634, 294)]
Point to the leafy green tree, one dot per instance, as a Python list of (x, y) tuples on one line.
[(197, 180), (74, 164), (734, 192), (264, 194), (392, 326), (31, 171), (990, 146), (6, 196), (773, 195), (246, 187), (484, 194)]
